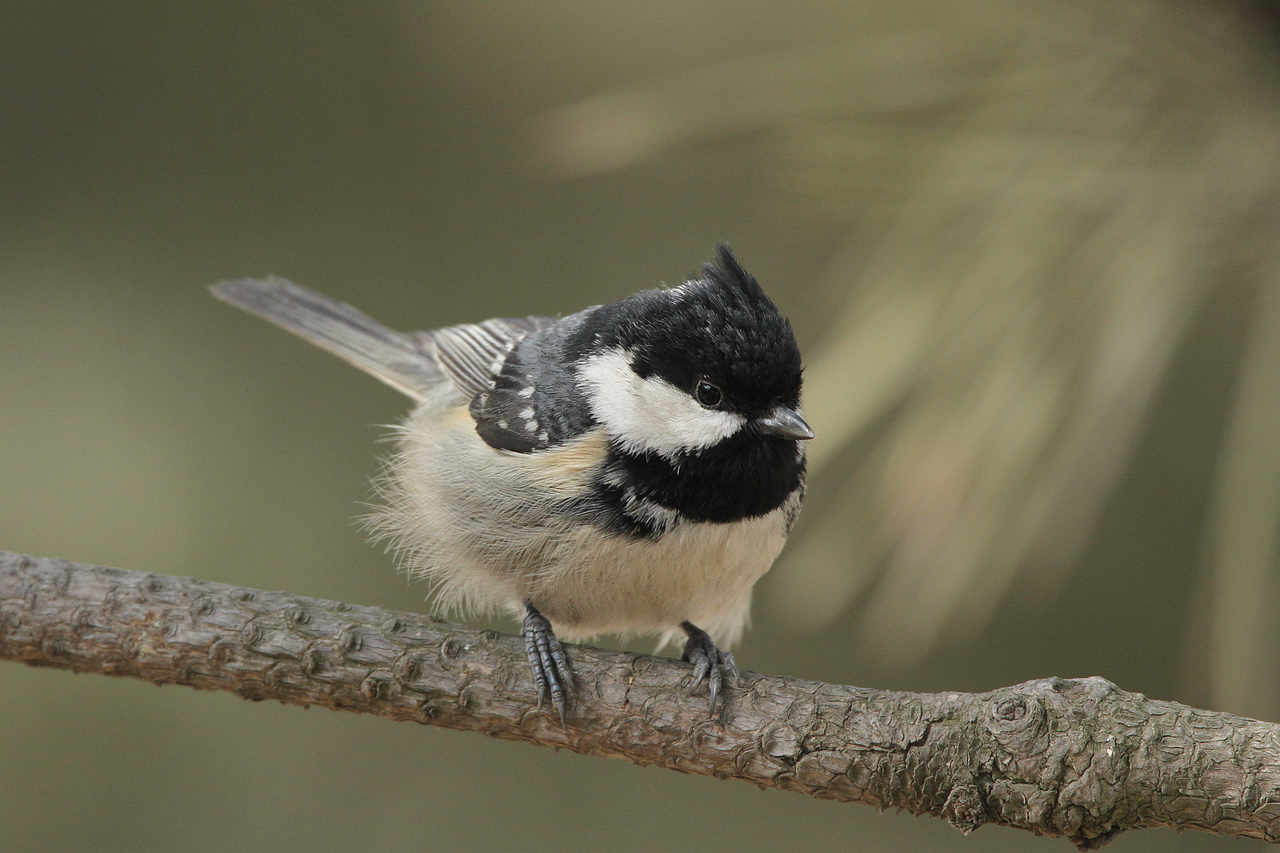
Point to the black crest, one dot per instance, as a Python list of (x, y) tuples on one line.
[(720, 325), (723, 326)]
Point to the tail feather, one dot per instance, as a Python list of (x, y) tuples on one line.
[(395, 358)]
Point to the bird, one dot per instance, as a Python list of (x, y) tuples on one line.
[(632, 468)]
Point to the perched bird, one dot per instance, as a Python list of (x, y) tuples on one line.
[(631, 468)]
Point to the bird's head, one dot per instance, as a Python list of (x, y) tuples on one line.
[(681, 371)]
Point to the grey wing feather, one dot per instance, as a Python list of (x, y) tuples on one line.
[(411, 362), (472, 354)]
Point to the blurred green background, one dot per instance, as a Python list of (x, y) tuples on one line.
[(1030, 250)]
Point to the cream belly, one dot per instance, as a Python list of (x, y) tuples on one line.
[(698, 571)]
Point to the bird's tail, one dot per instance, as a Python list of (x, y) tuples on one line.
[(393, 357)]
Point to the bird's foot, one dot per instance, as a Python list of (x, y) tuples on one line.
[(708, 661), (552, 675)]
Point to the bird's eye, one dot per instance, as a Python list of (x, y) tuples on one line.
[(707, 394)]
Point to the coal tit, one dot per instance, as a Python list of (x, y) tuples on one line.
[(631, 468)]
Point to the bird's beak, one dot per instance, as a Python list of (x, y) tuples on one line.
[(785, 423)]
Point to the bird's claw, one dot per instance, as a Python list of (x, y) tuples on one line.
[(709, 663), (552, 675)]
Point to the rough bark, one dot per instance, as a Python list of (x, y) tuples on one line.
[(1078, 758)]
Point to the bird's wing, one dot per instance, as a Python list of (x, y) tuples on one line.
[(531, 400), (472, 354), (411, 362)]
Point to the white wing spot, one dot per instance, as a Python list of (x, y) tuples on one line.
[(542, 436), (526, 413), (526, 392), (502, 424), (531, 425)]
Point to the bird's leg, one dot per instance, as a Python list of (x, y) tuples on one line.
[(708, 661), (551, 672)]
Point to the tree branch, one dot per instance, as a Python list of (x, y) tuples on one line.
[(1078, 758)]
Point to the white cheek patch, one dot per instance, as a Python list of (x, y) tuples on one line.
[(650, 414)]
